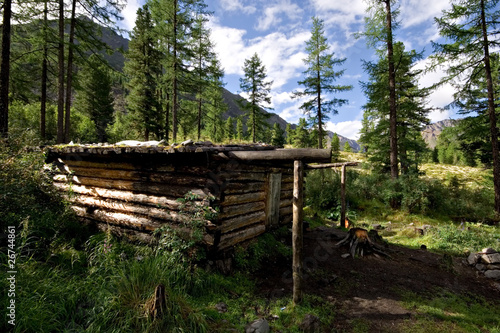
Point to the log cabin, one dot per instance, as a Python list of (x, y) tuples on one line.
[(133, 190)]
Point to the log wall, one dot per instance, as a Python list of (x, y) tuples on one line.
[(135, 191)]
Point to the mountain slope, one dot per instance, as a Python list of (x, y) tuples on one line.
[(431, 132)]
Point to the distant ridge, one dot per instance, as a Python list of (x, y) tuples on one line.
[(431, 132)]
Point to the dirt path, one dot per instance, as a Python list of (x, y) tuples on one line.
[(370, 288)]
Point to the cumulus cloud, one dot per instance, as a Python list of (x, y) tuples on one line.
[(281, 54), (273, 14), (414, 12), (237, 5), (349, 129), (129, 14)]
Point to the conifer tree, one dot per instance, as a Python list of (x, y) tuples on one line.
[(215, 105), (319, 80), (301, 138), (240, 134), (229, 128), (289, 134), (335, 147), (5, 69), (278, 136), (142, 68), (258, 89), (411, 111), (471, 28), (95, 97)]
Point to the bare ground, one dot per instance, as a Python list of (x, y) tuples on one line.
[(370, 288)]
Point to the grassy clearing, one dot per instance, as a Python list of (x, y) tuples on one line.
[(73, 280), (446, 312)]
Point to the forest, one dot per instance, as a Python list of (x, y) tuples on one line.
[(68, 76)]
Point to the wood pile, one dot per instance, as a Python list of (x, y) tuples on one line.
[(134, 189)]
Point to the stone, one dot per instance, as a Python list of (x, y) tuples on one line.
[(488, 250), (310, 324), (493, 274), (377, 226), (345, 255), (497, 266), (221, 307), (258, 326), (480, 267), (493, 258), (472, 259)]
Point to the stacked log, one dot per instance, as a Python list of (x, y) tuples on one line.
[(134, 190)]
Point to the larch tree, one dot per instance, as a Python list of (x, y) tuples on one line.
[(258, 89), (379, 34), (5, 69), (471, 29), (95, 97), (319, 80), (142, 67), (411, 111)]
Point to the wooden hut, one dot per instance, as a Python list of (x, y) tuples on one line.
[(134, 190)]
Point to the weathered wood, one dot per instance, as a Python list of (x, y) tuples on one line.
[(342, 196), (235, 210), (287, 210), (231, 239), (136, 186), (130, 234), (128, 208), (143, 199), (297, 230), (286, 202), (235, 199), (241, 221), (240, 188), (273, 200), (286, 219), (303, 154), (132, 221), (330, 165)]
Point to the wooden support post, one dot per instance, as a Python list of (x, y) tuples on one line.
[(342, 197), (297, 229)]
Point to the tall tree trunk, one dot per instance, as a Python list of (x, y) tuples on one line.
[(60, 80), (320, 122), (69, 75), (392, 95), (174, 76), (491, 112), (43, 97), (5, 70), (199, 96)]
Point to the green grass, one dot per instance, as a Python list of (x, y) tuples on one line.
[(446, 312)]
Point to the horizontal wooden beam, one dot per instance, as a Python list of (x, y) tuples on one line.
[(330, 165), (303, 154)]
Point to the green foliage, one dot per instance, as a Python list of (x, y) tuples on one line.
[(267, 247), (27, 117), (335, 147), (258, 89), (347, 147), (302, 136), (278, 136), (448, 147), (229, 129), (319, 80), (95, 98), (442, 311)]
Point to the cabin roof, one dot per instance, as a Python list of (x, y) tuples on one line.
[(243, 152)]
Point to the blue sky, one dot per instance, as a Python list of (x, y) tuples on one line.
[(278, 29)]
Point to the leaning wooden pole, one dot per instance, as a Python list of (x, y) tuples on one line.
[(297, 229), (342, 197)]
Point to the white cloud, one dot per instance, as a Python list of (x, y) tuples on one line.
[(443, 95), (281, 54), (414, 12), (236, 5), (273, 14), (129, 13), (350, 129)]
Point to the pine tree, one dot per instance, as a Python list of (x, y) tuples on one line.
[(319, 80), (301, 139), (278, 136), (215, 105), (229, 128), (240, 134), (289, 134), (335, 147), (471, 28), (95, 97), (347, 147), (142, 68), (411, 111), (379, 33), (258, 89), (5, 69)]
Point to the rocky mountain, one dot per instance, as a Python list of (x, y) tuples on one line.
[(431, 132)]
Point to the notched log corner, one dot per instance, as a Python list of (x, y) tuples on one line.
[(360, 243)]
